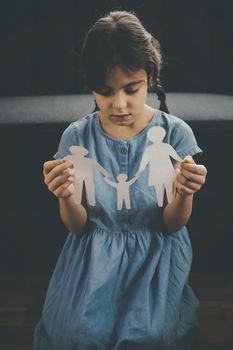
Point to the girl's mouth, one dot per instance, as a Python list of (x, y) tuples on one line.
[(121, 117)]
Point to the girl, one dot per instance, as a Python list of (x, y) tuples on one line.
[(121, 281)]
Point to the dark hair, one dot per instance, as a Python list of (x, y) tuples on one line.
[(120, 39)]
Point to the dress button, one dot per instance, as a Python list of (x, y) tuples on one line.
[(123, 150)]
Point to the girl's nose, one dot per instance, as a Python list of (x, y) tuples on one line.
[(119, 101)]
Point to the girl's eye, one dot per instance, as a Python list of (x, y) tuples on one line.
[(108, 93), (105, 92), (131, 92)]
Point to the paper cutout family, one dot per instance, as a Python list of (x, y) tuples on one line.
[(156, 156)]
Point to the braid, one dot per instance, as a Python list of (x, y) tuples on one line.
[(96, 109), (161, 97)]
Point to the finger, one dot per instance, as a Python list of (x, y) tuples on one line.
[(188, 159), (49, 165), (198, 169), (59, 181), (184, 190), (199, 179), (184, 182), (64, 190), (177, 171), (61, 168)]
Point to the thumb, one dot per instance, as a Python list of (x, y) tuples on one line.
[(177, 171), (188, 159)]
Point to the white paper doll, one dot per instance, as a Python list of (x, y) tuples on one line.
[(83, 170), (161, 170), (122, 188)]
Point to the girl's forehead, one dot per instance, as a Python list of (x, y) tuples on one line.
[(121, 77)]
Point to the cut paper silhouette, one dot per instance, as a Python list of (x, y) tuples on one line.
[(122, 188), (161, 170), (156, 156), (83, 173)]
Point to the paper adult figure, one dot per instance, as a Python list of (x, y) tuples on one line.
[(161, 170), (83, 173), (122, 188)]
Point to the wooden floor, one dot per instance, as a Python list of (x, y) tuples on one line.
[(21, 303)]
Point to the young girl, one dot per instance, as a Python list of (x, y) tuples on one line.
[(121, 281)]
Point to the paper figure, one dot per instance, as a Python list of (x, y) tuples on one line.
[(83, 173), (122, 188), (161, 170)]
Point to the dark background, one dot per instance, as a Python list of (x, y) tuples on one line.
[(41, 42)]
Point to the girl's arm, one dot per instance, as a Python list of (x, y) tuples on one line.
[(73, 215), (59, 178), (190, 179)]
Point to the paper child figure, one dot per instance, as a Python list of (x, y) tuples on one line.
[(161, 170), (83, 173), (122, 188)]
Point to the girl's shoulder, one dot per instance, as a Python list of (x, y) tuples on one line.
[(175, 127), (77, 133), (81, 124), (178, 134), (171, 121)]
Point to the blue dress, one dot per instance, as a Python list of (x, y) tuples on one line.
[(123, 282)]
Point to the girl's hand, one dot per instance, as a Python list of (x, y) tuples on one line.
[(59, 177), (190, 176)]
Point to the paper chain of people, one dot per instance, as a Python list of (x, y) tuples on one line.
[(156, 156)]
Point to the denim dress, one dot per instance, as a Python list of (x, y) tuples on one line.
[(123, 282)]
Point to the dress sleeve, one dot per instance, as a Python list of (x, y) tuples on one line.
[(68, 139), (184, 141)]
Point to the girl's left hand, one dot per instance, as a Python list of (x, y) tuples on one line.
[(190, 176)]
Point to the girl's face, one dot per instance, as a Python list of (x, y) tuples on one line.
[(122, 99)]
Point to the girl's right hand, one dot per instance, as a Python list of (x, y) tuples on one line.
[(59, 177)]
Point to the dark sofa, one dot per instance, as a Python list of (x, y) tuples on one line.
[(31, 232)]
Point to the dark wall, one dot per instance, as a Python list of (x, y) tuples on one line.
[(41, 41)]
